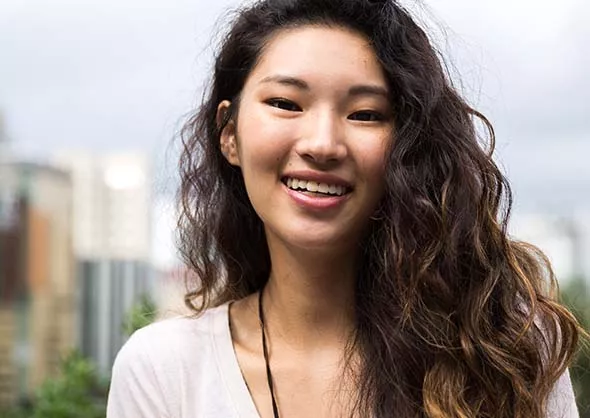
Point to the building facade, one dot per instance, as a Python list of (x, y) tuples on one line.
[(112, 242), (564, 239), (38, 289), (108, 291)]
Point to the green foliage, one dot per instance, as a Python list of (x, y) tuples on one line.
[(78, 390), (142, 313), (576, 296), (14, 413)]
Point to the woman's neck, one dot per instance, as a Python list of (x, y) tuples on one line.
[(309, 299)]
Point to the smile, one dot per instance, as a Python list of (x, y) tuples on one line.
[(315, 187)]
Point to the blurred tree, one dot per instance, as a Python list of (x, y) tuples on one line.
[(14, 413), (142, 313), (78, 390), (576, 296)]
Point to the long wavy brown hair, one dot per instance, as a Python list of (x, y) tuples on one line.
[(454, 318)]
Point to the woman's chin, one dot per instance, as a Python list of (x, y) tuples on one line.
[(319, 243)]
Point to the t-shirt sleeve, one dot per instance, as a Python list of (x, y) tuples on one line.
[(562, 401), (135, 390)]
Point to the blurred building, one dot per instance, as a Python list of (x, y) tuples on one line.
[(4, 144), (37, 286), (112, 199), (564, 239), (112, 242), (108, 290)]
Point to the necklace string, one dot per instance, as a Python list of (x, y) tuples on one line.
[(269, 378)]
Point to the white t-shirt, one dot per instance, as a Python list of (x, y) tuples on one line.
[(187, 368)]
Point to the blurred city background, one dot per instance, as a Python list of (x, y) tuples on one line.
[(92, 95)]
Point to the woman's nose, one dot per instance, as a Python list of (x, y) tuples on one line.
[(323, 141)]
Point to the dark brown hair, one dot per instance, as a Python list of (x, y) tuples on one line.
[(454, 318)]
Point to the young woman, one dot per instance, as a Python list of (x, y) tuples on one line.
[(348, 232)]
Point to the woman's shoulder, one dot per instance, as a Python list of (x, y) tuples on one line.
[(180, 333), (173, 347), (160, 368)]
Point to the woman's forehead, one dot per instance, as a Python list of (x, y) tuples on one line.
[(318, 55)]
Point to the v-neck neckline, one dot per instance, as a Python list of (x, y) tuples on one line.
[(229, 366)]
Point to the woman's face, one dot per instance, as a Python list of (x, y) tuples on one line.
[(313, 128)]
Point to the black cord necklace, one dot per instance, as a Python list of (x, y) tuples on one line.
[(275, 409)]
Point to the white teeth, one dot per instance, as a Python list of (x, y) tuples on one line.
[(312, 186), (323, 188)]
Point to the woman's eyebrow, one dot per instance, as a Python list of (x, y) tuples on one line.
[(286, 80), (356, 90), (368, 90)]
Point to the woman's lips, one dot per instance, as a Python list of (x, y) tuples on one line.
[(315, 202)]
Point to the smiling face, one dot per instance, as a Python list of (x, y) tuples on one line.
[(313, 128)]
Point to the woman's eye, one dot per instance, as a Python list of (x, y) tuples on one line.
[(366, 116), (284, 104)]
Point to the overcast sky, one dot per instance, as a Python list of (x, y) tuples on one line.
[(114, 74), (111, 74)]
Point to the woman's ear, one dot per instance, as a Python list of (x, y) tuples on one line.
[(227, 138)]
